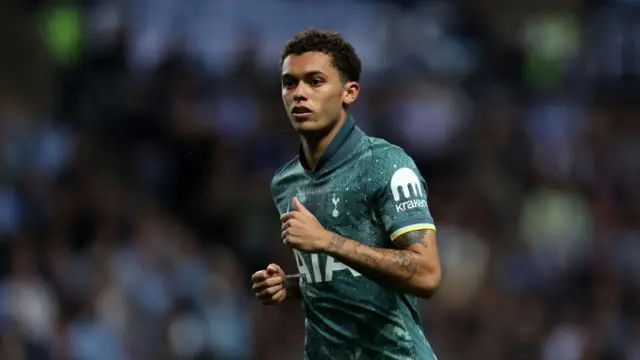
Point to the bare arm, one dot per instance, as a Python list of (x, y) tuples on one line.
[(292, 285), (413, 268)]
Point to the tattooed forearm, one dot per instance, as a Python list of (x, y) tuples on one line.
[(336, 243), (381, 261), (396, 268), (410, 238)]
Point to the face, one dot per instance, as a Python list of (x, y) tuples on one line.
[(314, 95)]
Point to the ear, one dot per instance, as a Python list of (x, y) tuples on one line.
[(351, 91)]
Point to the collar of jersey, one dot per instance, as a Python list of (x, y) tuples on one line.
[(342, 145)]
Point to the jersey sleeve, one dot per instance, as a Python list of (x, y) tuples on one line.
[(400, 194)]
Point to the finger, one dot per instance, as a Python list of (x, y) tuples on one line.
[(286, 225), (259, 276), (269, 292), (276, 298), (288, 216), (299, 207), (272, 281), (279, 296), (274, 269)]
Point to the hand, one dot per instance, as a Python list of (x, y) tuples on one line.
[(268, 285), (302, 231)]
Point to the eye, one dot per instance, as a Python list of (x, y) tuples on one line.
[(316, 81), (288, 83)]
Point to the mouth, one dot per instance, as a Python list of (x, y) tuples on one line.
[(301, 112)]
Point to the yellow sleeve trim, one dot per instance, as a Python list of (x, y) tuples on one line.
[(396, 234)]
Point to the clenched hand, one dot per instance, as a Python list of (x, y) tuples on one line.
[(268, 285), (302, 231)]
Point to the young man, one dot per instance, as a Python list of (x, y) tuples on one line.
[(354, 210)]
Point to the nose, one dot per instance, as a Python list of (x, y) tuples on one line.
[(299, 93)]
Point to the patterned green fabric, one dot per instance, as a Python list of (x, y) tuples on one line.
[(367, 190)]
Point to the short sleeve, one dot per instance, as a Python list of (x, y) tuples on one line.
[(400, 194)]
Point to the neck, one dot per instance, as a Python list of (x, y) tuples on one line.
[(315, 145)]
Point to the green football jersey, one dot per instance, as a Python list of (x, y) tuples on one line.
[(368, 190)]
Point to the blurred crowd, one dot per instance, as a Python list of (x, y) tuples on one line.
[(138, 139)]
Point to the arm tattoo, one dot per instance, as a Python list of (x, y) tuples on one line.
[(382, 259), (411, 238), (390, 266), (398, 268), (336, 243)]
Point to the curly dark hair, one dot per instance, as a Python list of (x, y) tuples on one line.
[(343, 55)]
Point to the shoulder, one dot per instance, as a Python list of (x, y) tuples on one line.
[(388, 164), (385, 155)]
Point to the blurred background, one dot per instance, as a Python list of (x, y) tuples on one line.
[(138, 139)]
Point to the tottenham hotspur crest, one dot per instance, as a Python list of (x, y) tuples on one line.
[(335, 200)]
